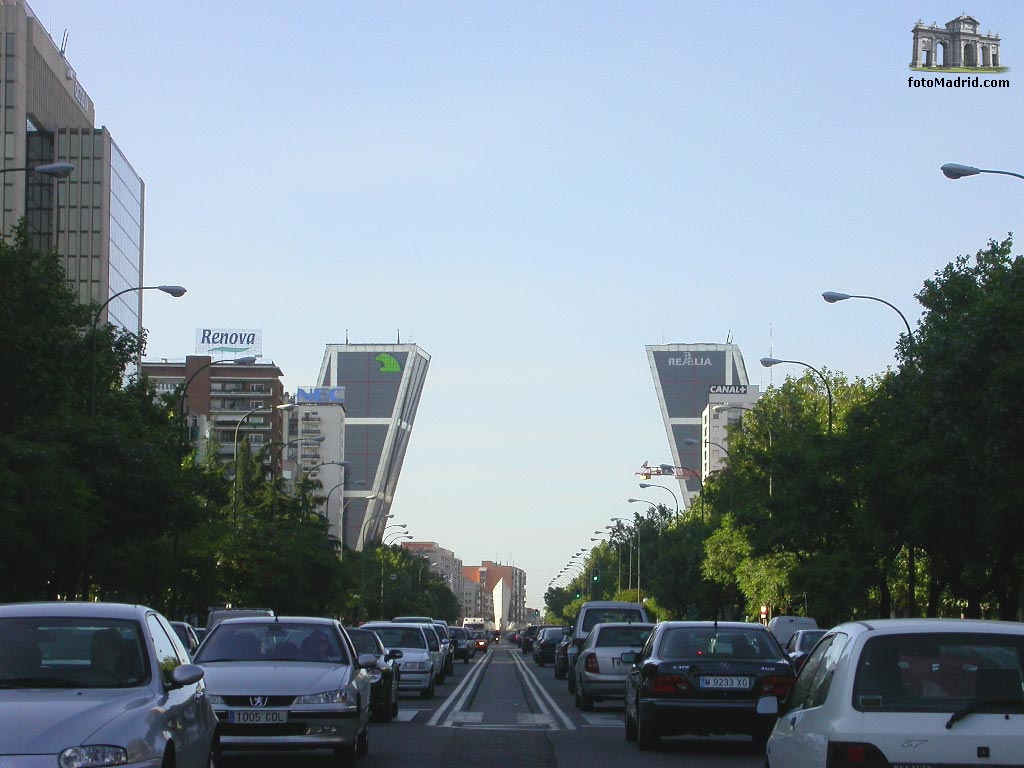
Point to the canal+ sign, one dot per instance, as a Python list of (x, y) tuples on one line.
[(320, 396)]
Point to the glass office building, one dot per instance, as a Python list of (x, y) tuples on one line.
[(93, 218), (683, 377), (383, 384)]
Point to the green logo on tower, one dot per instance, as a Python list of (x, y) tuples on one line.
[(388, 364)]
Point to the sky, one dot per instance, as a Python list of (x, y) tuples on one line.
[(532, 192)]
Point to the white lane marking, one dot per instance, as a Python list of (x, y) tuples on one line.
[(602, 720), (407, 715), (465, 717), (528, 718), (540, 693), (455, 701)]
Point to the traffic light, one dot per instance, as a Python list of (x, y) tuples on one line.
[(578, 594), (597, 576)]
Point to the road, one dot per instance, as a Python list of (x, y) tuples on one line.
[(501, 709)]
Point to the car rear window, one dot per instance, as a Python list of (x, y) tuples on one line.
[(938, 672), (401, 638), (809, 639), (696, 643), (364, 641), (623, 637), (610, 615)]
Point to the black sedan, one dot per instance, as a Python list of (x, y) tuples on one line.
[(702, 677), (383, 679), (544, 645)]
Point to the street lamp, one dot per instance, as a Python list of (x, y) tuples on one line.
[(234, 489), (366, 520), (176, 291), (624, 520), (768, 362), (833, 296), (188, 383), (674, 497), (957, 171), (53, 170), (398, 537)]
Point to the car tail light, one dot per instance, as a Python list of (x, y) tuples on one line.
[(777, 685), (852, 754), (591, 664), (669, 684)]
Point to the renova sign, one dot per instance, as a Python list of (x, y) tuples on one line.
[(230, 341)]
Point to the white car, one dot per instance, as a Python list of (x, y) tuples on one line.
[(418, 666), (97, 684), (907, 692), (292, 683)]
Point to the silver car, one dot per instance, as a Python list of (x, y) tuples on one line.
[(288, 683), (94, 684), (417, 665), (600, 672)]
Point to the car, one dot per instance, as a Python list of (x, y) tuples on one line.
[(783, 627), (288, 683), (446, 649), (94, 684), (218, 615), (529, 635), (800, 644), (600, 673), (383, 679), (544, 645), (561, 662), (461, 641), (187, 634), (703, 677), (479, 641), (416, 668), (906, 692), (595, 612)]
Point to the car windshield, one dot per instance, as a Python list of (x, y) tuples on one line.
[(41, 652), (809, 639), (939, 672), (398, 637), (721, 643), (607, 615), (276, 641), (623, 637)]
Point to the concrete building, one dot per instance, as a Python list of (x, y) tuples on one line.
[(724, 411), (684, 377), (503, 591), (476, 596), (442, 562), (383, 384), (218, 397), (94, 217)]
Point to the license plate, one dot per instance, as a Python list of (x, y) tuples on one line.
[(257, 716), (726, 682)]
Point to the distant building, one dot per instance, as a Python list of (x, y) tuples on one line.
[(383, 384), (503, 591), (94, 218), (218, 398), (725, 409), (684, 377), (442, 562)]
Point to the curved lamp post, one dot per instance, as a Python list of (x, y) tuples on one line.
[(176, 291), (624, 520), (768, 362), (234, 488), (957, 171), (54, 170), (664, 488)]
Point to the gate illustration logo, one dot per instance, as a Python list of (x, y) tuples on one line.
[(957, 46), (388, 364)]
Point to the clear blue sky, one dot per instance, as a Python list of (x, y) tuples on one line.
[(534, 191)]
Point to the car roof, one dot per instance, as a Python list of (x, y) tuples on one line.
[(75, 609), (896, 626), (624, 624), (277, 620), (714, 625), (610, 604)]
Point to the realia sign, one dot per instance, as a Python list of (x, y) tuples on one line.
[(320, 396), (234, 342)]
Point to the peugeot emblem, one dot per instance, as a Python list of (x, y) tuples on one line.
[(724, 664), (257, 701)]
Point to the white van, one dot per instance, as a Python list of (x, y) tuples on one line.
[(783, 627)]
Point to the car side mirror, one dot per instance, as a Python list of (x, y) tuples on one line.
[(768, 705), (185, 674), (367, 660), (629, 657), (395, 653)]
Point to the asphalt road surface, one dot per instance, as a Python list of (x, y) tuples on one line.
[(503, 711)]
